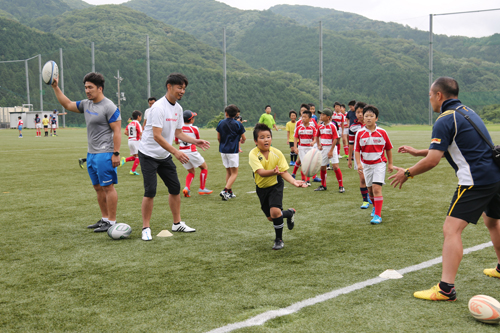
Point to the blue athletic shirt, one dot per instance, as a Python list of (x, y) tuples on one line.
[(230, 133), (464, 148)]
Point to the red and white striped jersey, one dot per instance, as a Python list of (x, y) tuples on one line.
[(346, 120), (306, 135), (134, 130), (327, 133), (20, 123), (372, 145), (339, 118), (353, 129), (311, 122), (193, 132)]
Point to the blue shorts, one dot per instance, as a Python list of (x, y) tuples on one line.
[(20, 128), (100, 169)]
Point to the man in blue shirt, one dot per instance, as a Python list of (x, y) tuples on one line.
[(478, 176)]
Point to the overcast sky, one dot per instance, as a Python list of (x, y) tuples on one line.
[(413, 13)]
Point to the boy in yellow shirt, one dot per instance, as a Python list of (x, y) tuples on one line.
[(45, 122), (290, 131), (270, 168)]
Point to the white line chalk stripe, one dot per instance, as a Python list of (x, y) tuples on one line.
[(263, 317)]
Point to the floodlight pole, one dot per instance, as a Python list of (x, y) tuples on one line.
[(320, 66), (27, 81), (224, 74), (93, 58), (431, 51), (61, 80), (40, 76), (119, 79), (149, 70)]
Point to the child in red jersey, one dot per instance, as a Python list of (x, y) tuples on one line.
[(20, 124), (370, 144), (338, 118), (133, 131), (306, 135), (357, 125), (195, 158), (328, 138)]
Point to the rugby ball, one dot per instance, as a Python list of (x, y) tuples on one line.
[(50, 71), (119, 231), (485, 309), (311, 163)]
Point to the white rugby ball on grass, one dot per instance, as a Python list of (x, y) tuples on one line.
[(311, 162), (50, 71), (485, 309), (119, 231)]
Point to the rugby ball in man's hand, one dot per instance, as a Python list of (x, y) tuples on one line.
[(311, 162), (119, 231), (50, 71), (485, 309)]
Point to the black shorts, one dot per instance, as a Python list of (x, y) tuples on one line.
[(469, 202), (291, 144), (45, 126), (271, 197), (166, 170)]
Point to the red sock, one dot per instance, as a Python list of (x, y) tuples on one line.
[(303, 176), (136, 163), (313, 177), (308, 179), (295, 168), (131, 158), (189, 180), (323, 178), (338, 148), (203, 178), (378, 202), (338, 174), (346, 150)]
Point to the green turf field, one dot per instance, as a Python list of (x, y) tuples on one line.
[(58, 276)]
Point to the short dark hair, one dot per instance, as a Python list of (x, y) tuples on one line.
[(342, 106), (136, 114), (95, 78), (336, 103), (267, 106), (176, 79), (45, 116), (353, 102), (290, 113), (311, 104), (231, 110), (371, 108), (152, 99), (359, 105), (259, 127), (308, 113), (446, 85), (19, 117), (304, 105)]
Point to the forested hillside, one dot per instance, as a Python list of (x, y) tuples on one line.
[(119, 34)]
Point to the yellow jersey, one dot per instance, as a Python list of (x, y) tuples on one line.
[(290, 127), (257, 161), (45, 121)]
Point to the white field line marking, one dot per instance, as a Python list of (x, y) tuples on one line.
[(263, 317)]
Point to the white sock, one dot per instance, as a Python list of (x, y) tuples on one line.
[(105, 219), (112, 222)]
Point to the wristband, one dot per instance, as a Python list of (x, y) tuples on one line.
[(408, 174)]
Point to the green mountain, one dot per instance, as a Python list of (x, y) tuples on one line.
[(119, 34), (25, 10), (486, 48)]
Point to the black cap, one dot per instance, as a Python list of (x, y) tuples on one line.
[(188, 115)]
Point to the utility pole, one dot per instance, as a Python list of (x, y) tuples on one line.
[(121, 96), (93, 58), (320, 66), (40, 79), (149, 70), (27, 81), (224, 69)]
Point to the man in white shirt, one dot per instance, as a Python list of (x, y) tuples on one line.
[(156, 150)]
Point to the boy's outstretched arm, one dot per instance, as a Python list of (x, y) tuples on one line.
[(288, 177)]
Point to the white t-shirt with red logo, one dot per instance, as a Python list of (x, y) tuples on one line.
[(134, 130), (327, 133), (372, 145), (306, 135), (191, 131), (162, 115)]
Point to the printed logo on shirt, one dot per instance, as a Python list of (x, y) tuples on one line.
[(436, 141), (94, 113), (171, 119)]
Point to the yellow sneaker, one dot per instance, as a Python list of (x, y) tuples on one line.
[(492, 272), (436, 294)]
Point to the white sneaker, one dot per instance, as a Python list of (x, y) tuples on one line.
[(146, 234), (182, 227), (232, 195), (225, 195)]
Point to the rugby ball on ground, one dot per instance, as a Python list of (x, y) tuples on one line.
[(50, 71), (485, 309), (119, 231), (311, 162)]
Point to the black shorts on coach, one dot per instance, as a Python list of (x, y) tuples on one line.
[(469, 202), (167, 171)]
